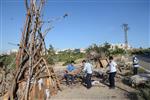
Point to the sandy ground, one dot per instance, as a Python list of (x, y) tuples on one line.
[(102, 92), (95, 93)]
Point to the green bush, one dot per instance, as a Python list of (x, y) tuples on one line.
[(62, 56), (141, 70), (104, 48), (140, 51), (8, 60), (117, 51), (51, 56), (68, 56)]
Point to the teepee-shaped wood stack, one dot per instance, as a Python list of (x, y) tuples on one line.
[(33, 79)]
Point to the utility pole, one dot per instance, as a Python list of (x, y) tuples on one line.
[(125, 28)]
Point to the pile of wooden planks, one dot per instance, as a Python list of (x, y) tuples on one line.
[(33, 79)]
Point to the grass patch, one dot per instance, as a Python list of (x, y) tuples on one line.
[(141, 70)]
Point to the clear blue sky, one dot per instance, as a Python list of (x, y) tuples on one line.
[(89, 21)]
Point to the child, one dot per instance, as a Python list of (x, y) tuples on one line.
[(112, 72)]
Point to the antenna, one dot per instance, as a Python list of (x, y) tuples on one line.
[(125, 28)]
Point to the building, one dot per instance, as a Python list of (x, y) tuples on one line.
[(120, 45), (8, 52)]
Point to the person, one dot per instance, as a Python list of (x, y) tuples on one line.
[(135, 65), (88, 70), (112, 72), (70, 68)]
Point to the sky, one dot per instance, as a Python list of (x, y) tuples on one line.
[(88, 22)]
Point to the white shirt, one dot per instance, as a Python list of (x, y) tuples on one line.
[(88, 68), (112, 66), (135, 62)]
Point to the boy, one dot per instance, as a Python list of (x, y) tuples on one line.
[(88, 70), (135, 65), (112, 72), (70, 68)]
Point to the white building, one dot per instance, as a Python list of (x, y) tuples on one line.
[(119, 45), (82, 50), (8, 52)]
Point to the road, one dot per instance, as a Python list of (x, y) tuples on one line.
[(144, 61)]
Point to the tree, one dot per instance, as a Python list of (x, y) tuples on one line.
[(51, 55), (104, 49), (118, 50), (51, 50)]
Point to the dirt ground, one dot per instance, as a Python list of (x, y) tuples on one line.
[(95, 93), (102, 92)]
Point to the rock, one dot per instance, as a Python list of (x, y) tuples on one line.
[(139, 79)]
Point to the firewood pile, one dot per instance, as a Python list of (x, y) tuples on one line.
[(33, 79)]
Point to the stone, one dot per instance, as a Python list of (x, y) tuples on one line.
[(139, 79)]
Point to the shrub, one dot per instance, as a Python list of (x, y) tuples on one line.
[(8, 60)]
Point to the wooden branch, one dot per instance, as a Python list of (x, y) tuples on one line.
[(26, 4)]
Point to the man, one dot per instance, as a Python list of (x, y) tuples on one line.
[(135, 65), (68, 75), (112, 72), (88, 70)]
